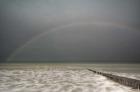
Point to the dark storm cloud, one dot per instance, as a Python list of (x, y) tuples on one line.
[(21, 20), (82, 42)]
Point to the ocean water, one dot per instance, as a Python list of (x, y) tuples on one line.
[(64, 77)]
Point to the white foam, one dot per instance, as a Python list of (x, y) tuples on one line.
[(56, 80)]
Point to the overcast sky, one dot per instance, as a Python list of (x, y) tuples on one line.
[(70, 30)]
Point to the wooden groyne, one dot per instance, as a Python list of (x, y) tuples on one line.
[(135, 84)]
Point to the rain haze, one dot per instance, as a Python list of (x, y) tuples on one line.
[(86, 31)]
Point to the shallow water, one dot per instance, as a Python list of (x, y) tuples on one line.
[(58, 78)]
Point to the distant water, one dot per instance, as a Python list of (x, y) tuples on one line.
[(64, 77)]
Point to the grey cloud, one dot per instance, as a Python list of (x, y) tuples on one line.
[(22, 20)]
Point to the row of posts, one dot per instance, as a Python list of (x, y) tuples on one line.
[(135, 84)]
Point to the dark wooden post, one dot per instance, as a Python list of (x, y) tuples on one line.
[(135, 84)]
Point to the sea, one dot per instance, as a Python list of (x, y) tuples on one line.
[(61, 77)]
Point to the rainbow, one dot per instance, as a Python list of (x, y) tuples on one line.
[(101, 23)]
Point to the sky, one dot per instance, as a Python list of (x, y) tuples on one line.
[(86, 31)]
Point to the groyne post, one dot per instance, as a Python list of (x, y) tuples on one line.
[(135, 84)]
